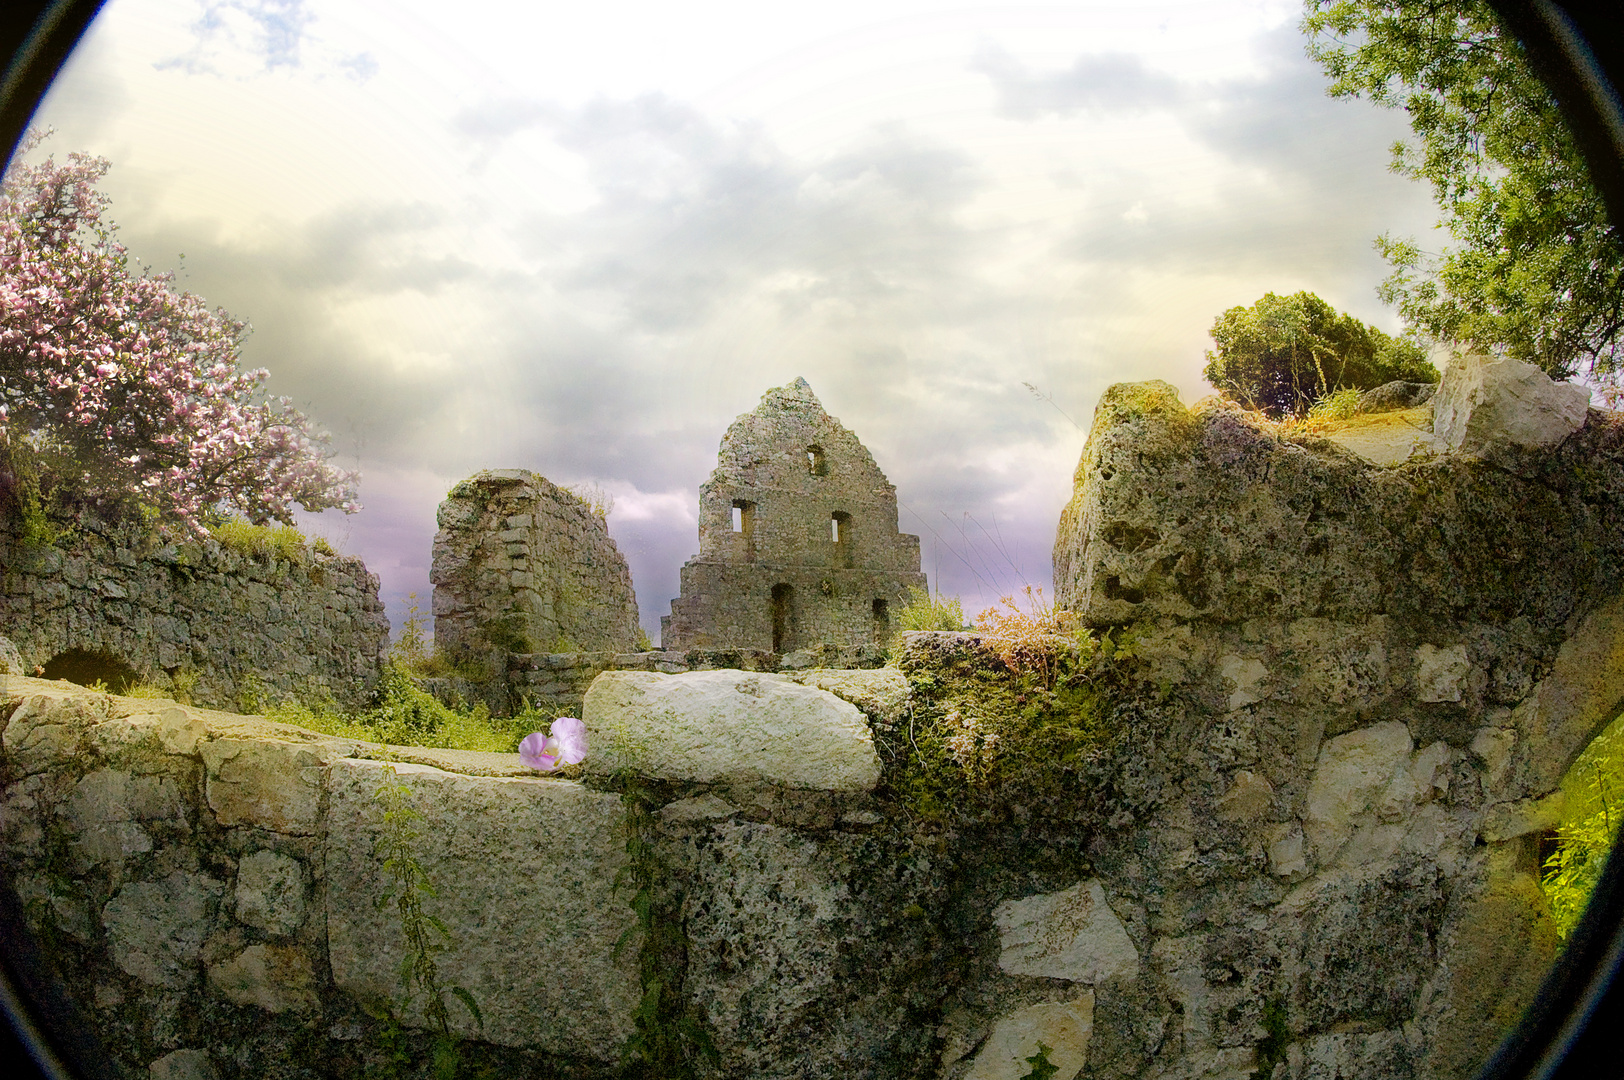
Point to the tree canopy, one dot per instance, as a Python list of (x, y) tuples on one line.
[(1285, 352), (1537, 270), (113, 384)]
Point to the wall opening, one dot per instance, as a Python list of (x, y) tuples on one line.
[(85, 666), (744, 517), (783, 625), (882, 622), (840, 532), (815, 463)]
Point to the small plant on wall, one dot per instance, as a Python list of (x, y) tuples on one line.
[(426, 935)]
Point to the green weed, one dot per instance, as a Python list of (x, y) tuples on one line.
[(268, 542), (666, 1043), (426, 935), (1590, 822)]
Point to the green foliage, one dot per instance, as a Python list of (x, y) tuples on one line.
[(1590, 820), (321, 547), (1002, 724), (666, 1043), (1042, 1068), (926, 612), (1538, 270), (1337, 405), (1285, 353), (269, 542), (426, 935), (594, 497), (408, 715), (411, 650)]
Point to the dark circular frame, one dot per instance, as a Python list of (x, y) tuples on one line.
[(1575, 1028)]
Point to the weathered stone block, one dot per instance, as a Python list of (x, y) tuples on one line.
[(1063, 1028), (1072, 934), (882, 693), (1484, 403), (156, 928), (274, 785), (728, 727), (524, 872), (276, 978), (270, 893)]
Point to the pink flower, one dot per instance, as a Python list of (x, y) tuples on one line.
[(565, 745)]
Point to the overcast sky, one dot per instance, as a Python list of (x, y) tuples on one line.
[(582, 238)]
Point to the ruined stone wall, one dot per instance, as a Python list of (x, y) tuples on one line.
[(1376, 678), (310, 627), (521, 566), (1272, 829), (798, 540)]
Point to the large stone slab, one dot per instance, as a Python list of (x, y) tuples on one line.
[(156, 928), (1485, 403), (524, 872), (728, 727)]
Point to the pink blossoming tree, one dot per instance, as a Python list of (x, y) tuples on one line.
[(115, 384)]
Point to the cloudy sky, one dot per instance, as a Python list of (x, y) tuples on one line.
[(582, 238)]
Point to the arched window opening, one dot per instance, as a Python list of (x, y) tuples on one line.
[(814, 461), (87, 667)]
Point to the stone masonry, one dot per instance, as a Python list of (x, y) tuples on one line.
[(1287, 827), (522, 566), (798, 540), (311, 626)]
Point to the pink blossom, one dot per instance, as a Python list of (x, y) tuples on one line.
[(564, 745), (137, 386)]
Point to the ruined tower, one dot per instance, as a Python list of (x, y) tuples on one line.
[(798, 540), (522, 566)]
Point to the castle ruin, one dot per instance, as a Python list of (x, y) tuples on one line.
[(522, 566), (798, 540)]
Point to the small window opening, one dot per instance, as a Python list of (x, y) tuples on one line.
[(814, 461), (744, 516), (882, 622), (840, 531)]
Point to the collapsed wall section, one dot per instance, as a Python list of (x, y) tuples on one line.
[(522, 566), (299, 624)]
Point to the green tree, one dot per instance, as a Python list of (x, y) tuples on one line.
[(1536, 268), (1284, 353)]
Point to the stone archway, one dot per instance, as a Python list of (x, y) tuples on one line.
[(89, 666)]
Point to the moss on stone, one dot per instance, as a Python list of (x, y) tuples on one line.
[(938, 761)]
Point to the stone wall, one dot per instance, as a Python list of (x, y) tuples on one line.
[(520, 566), (309, 626), (798, 540), (1285, 825)]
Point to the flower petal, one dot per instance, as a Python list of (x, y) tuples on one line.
[(570, 735), (533, 751)]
